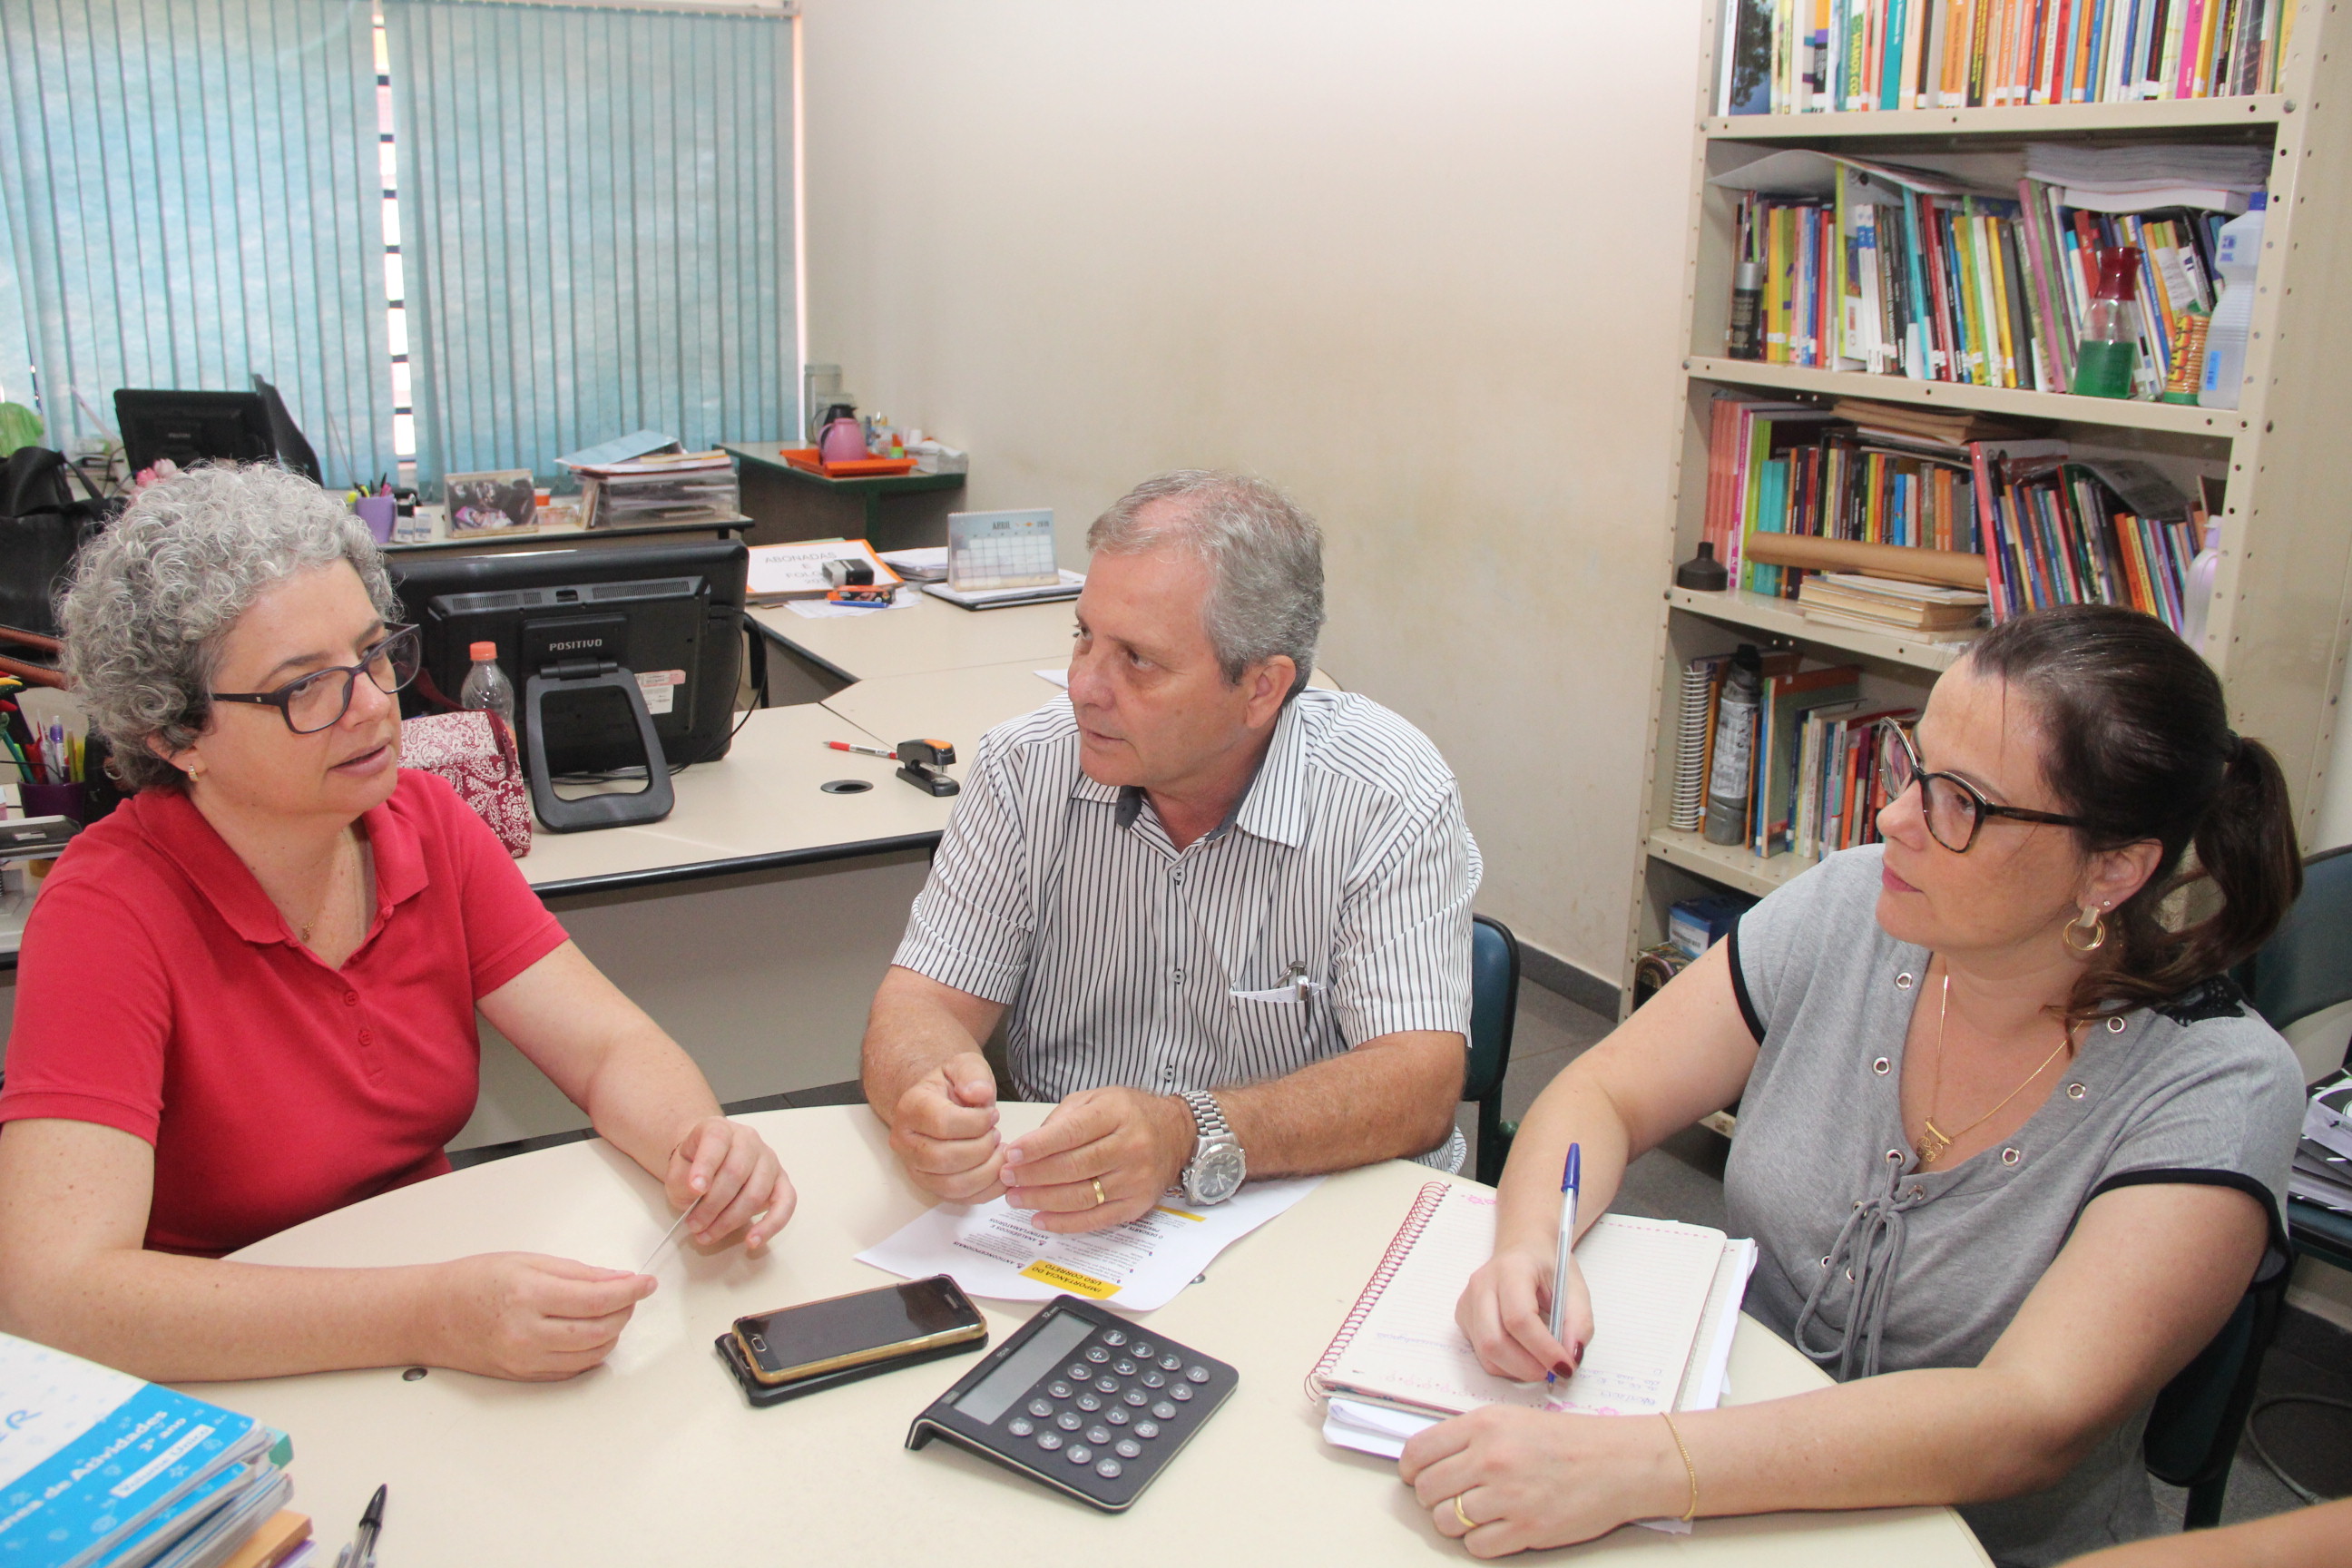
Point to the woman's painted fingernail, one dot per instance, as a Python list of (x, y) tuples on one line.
[(1566, 1368)]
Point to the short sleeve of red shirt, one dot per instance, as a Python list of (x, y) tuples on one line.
[(160, 993)]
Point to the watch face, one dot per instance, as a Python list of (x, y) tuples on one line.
[(1216, 1173)]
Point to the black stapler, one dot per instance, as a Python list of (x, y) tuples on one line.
[(920, 762)]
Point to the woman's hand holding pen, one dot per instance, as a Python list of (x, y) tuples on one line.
[(735, 1178), (1505, 1313)]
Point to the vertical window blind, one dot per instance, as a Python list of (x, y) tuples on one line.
[(190, 193), (598, 226)]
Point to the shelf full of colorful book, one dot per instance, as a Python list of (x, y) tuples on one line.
[(2003, 521), (1799, 57), (1983, 268)]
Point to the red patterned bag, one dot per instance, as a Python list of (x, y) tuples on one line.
[(476, 753)]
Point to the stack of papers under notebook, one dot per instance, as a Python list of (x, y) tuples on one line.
[(100, 1471), (1666, 1305)]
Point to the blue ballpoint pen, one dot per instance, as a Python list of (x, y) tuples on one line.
[(1570, 1179)]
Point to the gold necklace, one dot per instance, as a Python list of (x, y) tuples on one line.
[(1933, 1140)]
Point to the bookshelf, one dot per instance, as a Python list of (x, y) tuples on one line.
[(2281, 614)]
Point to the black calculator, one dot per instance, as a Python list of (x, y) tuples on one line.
[(1082, 1400)]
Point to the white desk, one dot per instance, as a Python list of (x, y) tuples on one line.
[(656, 1459), (932, 636)]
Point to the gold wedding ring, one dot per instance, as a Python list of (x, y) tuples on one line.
[(1467, 1522), (1100, 1199)]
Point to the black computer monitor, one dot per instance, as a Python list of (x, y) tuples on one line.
[(192, 428), (285, 436), (671, 614)]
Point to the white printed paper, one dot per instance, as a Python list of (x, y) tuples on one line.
[(996, 1250)]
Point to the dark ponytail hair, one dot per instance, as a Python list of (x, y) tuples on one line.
[(2139, 746)]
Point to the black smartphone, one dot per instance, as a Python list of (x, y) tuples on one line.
[(818, 1337)]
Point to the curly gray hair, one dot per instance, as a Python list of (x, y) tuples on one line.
[(1264, 556), (153, 598)]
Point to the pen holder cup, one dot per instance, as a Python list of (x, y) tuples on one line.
[(55, 800), (378, 512)]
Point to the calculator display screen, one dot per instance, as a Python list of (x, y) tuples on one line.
[(1022, 1369)]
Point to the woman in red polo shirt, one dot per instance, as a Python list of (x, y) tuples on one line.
[(247, 997)]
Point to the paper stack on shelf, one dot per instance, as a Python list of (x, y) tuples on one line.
[(2215, 178), (102, 1471), (675, 486), (1919, 611), (2323, 1160)]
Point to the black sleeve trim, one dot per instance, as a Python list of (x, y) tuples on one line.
[(2281, 1252), (1739, 984)]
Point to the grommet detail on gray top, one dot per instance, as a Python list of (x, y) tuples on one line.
[(1881, 1066), (1825, 1262), (2076, 1091), (1903, 981), (2011, 1156), (1916, 1194), (2114, 1026), (1896, 1155)]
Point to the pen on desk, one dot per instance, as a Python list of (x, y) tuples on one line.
[(888, 756), (1570, 1179), (361, 1552)]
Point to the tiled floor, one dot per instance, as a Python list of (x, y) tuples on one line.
[(1684, 1180)]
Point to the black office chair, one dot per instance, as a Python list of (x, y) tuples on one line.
[(2193, 1430), (1493, 1010)]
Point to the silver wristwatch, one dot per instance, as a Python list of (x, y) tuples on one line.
[(1217, 1169)]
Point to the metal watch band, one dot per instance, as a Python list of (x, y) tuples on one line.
[(1208, 1121)]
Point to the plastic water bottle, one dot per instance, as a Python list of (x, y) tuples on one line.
[(2235, 258), (486, 687), (1735, 739), (2197, 597)]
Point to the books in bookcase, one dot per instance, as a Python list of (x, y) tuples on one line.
[(1798, 56)]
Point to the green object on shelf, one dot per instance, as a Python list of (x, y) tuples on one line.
[(2104, 369), (19, 426)]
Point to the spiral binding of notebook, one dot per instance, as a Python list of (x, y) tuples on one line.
[(1399, 1246), (1690, 753)]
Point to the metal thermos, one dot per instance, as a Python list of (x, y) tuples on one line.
[(1735, 746)]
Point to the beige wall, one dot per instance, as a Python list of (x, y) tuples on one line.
[(1417, 262)]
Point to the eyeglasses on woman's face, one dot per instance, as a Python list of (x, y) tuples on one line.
[(1953, 808), (316, 702)]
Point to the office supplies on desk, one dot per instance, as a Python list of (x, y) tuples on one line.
[(928, 564), (1084, 1400), (281, 1536), (920, 764), (361, 1550), (36, 837), (779, 573), (99, 1467), (884, 754), (1666, 1299), (1067, 586), (995, 550), (879, 1328), (1001, 1252)]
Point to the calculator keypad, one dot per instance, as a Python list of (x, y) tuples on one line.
[(1113, 1407)]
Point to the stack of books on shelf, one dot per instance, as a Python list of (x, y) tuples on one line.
[(1946, 276), (678, 487), (1801, 57), (100, 1471), (1812, 768), (1923, 611), (2050, 529)]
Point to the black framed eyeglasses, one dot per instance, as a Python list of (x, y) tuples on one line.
[(316, 702), (1953, 807)]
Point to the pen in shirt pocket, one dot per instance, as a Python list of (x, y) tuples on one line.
[(1292, 988)]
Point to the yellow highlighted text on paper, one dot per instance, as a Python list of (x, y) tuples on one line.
[(1070, 1279), (1180, 1214)]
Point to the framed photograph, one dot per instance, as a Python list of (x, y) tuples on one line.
[(499, 502)]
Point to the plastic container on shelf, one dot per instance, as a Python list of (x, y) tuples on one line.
[(487, 687), (2235, 259), (2107, 359), (1735, 742), (2197, 596)]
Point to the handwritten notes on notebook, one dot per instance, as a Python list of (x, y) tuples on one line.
[(1652, 1283)]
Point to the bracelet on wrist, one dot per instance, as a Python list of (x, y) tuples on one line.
[(1689, 1469)]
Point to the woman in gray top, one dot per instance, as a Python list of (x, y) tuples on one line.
[(2010, 1142)]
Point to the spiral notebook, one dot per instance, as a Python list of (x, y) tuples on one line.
[(1665, 1302)]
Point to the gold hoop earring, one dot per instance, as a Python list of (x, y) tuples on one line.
[(2092, 935)]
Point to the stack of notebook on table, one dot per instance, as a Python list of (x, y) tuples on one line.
[(1920, 611), (1665, 1303), (100, 1471)]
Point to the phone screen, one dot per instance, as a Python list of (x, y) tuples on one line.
[(846, 1330)]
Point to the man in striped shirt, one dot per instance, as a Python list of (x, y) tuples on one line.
[(1225, 918)]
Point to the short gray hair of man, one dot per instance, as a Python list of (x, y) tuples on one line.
[(1264, 553), (153, 597)]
